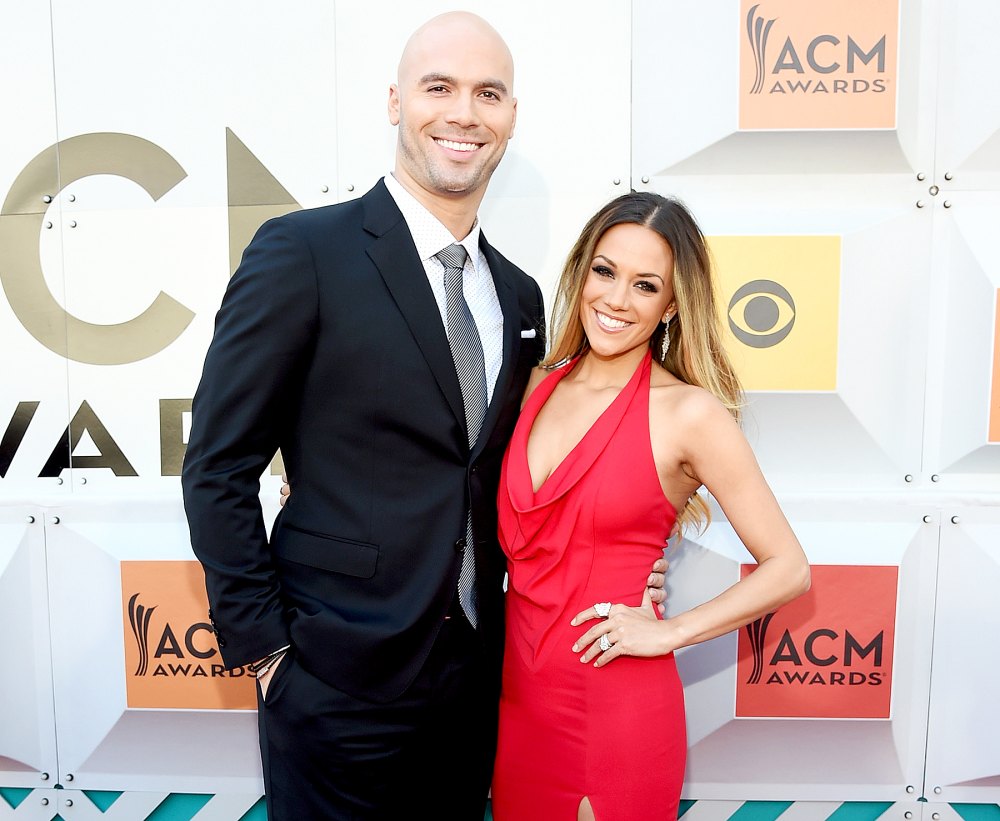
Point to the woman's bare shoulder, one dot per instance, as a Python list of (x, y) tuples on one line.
[(538, 374)]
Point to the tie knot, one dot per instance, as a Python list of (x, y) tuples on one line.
[(453, 256)]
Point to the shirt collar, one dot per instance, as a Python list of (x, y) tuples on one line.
[(428, 232)]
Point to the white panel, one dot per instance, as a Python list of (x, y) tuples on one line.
[(102, 743), (968, 127), (804, 759), (177, 78), (28, 738), (31, 373), (961, 360), (963, 743), (571, 142), (858, 185), (686, 97)]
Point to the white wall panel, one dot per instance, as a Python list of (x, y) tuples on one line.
[(27, 724), (962, 354), (856, 184), (814, 759), (968, 115), (963, 742), (103, 743)]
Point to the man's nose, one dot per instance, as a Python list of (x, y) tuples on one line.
[(462, 111)]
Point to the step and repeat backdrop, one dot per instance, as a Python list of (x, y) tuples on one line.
[(842, 156)]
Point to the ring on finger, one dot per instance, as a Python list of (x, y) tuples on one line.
[(604, 643), (603, 609)]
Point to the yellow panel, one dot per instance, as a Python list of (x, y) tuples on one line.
[(779, 297)]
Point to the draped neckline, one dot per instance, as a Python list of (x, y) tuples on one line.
[(584, 453)]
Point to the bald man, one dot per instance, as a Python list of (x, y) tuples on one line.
[(373, 617)]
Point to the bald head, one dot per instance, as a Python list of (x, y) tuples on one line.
[(450, 31), (453, 103)]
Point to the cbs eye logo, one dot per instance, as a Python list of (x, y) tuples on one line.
[(761, 313)]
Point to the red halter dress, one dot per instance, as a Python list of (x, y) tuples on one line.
[(589, 534)]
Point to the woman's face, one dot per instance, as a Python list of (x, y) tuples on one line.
[(628, 290)]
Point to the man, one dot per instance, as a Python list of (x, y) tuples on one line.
[(390, 378)]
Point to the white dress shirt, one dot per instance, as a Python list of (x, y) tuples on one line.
[(430, 236)]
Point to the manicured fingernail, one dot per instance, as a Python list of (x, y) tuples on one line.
[(576, 648)]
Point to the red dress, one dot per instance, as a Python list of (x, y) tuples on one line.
[(591, 533)]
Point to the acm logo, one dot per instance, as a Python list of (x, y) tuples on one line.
[(171, 656), (822, 65), (828, 654)]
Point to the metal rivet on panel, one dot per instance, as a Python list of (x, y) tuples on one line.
[(45, 776), (909, 788), (31, 521), (72, 198), (48, 224), (645, 179), (936, 816), (350, 187), (617, 181), (47, 198), (55, 520), (935, 477), (928, 519), (45, 802), (324, 188), (921, 176), (954, 520), (937, 791), (59, 480), (69, 802), (72, 223), (908, 477), (907, 814), (947, 203), (920, 203), (933, 190), (948, 175), (69, 776), (83, 480)]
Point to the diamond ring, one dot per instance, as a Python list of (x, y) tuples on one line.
[(603, 609), (604, 644)]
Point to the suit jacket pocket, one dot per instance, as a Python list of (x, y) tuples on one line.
[(346, 556)]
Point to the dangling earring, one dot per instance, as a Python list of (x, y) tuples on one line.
[(665, 344)]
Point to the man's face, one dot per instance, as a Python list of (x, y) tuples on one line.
[(455, 111)]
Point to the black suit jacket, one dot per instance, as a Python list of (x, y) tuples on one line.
[(329, 345)]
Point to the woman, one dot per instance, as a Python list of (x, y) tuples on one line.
[(635, 409)]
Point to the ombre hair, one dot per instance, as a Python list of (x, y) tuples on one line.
[(696, 355)]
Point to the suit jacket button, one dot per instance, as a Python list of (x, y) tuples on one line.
[(460, 545)]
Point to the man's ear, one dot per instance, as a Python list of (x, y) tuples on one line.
[(513, 121), (393, 106)]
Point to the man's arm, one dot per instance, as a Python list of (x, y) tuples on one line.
[(263, 338)]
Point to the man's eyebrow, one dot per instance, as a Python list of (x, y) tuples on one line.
[(489, 82)]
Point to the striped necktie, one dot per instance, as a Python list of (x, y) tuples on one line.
[(467, 351)]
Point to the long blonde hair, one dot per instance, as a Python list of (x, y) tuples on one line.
[(696, 355)]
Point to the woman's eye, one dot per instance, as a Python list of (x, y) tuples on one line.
[(648, 287), (603, 271)]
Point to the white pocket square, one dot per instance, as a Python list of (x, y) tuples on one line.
[(528, 333)]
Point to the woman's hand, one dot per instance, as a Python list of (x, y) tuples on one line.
[(285, 491), (655, 584), (629, 631)]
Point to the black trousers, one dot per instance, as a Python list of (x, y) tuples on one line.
[(329, 757)]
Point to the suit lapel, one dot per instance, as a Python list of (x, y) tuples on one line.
[(511, 341), (395, 256)]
